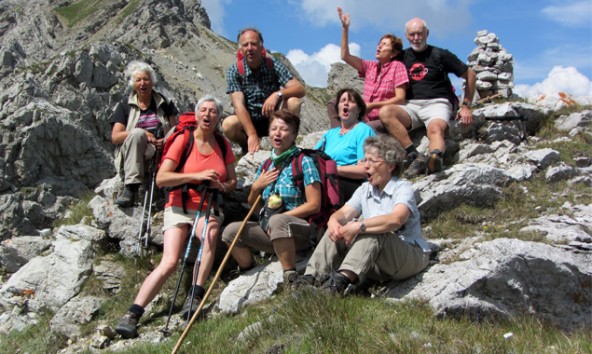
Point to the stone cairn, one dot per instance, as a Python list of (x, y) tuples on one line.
[(493, 65)]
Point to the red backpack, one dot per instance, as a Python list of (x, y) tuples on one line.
[(185, 127), (327, 168)]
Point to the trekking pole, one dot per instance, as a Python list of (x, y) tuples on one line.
[(141, 233), (148, 229), (187, 251), (201, 247), (218, 273)]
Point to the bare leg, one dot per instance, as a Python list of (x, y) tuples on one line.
[(234, 131), (286, 252), (209, 250), (436, 131), (396, 122), (243, 256), (293, 105), (174, 240)]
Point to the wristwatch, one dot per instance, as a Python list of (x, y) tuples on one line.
[(279, 94), (362, 226), (465, 103)]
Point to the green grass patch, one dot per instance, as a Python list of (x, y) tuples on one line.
[(78, 11), (311, 322), (37, 338), (78, 212), (520, 203)]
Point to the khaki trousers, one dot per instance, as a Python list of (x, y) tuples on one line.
[(135, 150), (380, 257)]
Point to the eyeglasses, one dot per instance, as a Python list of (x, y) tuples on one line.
[(371, 161)]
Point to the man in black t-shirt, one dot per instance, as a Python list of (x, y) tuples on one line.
[(429, 99)]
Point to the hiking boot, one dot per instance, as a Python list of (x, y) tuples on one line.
[(336, 284), (409, 159), (190, 305), (290, 278), (304, 281), (127, 326), (128, 197), (435, 161), (417, 168)]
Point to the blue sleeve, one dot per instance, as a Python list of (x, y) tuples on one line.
[(356, 199), (404, 195), (321, 142), (309, 171), (364, 134)]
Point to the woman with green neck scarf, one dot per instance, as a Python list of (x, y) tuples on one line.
[(286, 231)]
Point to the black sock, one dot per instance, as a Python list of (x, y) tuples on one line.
[(136, 310), (437, 152), (198, 291), (411, 150)]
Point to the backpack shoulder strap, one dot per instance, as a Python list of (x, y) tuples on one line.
[(265, 164), (221, 141), (297, 174), (240, 65), (189, 140)]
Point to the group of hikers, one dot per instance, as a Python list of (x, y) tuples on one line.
[(374, 235)]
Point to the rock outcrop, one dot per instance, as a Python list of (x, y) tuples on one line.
[(494, 66)]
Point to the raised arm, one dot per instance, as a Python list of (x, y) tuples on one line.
[(346, 56)]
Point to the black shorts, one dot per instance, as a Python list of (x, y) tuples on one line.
[(262, 127)]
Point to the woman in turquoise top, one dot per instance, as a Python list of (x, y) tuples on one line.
[(345, 143)]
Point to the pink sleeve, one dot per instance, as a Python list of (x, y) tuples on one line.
[(365, 65), (401, 77)]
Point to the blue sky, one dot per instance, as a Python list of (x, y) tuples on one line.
[(551, 40)]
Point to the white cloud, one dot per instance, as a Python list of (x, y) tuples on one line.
[(215, 10), (560, 79), (314, 68), (574, 14)]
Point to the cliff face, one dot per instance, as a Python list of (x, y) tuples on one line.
[(61, 75)]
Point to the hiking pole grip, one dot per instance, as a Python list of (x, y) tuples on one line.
[(216, 277)]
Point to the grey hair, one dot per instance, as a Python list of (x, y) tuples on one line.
[(137, 66), (425, 25), (389, 149), (247, 29), (210, 98)]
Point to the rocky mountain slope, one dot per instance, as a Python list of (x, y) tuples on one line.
[(60, 76)]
